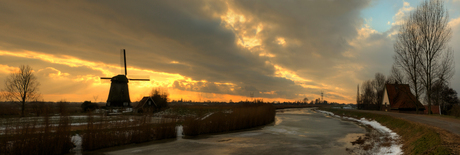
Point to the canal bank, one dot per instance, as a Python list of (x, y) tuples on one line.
[(416, 138)]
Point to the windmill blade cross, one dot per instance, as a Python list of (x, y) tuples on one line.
[(139, 79), (106, 78)]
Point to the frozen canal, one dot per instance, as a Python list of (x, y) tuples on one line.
[(296, 131)]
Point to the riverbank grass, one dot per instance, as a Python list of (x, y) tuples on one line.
[(237, 117), (416, 138)]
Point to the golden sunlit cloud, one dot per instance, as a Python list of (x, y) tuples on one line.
[(281, 41), (98, 66), (64, 60), (238, 23), (8, 69), (57, 73)]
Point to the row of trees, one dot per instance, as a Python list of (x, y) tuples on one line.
[(423, 58), (372, 90)]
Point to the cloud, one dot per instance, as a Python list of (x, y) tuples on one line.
[(275, 49), (402, 14)]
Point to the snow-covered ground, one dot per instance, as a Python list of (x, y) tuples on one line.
[(394, 149)]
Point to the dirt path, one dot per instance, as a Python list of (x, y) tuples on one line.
[(448, 124)]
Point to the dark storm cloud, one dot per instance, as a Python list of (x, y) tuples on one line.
[(321, 27), (155, 33), (316, 33), (258, 89)]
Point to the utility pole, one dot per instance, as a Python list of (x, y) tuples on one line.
[(322, 100)]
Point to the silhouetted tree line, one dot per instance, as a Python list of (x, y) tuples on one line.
[(372, 91), (371, 95)]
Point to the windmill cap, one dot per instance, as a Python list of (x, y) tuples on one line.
[(120, 79)]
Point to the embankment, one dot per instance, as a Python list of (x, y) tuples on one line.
[(416, 138)]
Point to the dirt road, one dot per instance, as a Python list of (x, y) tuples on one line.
[(450, 124)]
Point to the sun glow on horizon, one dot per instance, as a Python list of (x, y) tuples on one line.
[(100, 88)]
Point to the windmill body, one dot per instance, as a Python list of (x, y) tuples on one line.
[(119, 91)]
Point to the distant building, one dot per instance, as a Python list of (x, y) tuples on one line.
[(146, 104), (399, 98)]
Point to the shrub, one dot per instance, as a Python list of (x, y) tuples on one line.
[(88, 106), (160, 96), (8, 108), (455, 111)]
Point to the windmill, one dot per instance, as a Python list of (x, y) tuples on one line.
[(119, 93)]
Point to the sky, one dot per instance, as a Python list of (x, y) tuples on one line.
[(204, 50)]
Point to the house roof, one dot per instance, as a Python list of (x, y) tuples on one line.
[(144, 101), (400, 97)]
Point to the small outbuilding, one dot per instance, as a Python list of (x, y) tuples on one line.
[(146, 104), (399, 98), (435, 109)]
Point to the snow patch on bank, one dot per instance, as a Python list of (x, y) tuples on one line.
[(207, 115), (76, 140), (394, 149), (180, 130)]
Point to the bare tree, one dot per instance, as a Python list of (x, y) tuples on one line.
[(396, 76), (436, 58), (379, 86), (22, 86), (368, 93), (408, 49), (2, 95), (305, 100), (95, 98)]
